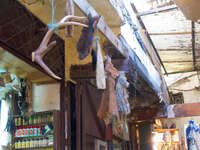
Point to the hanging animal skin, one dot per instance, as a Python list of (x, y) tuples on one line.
[(85, 40), (122, 94), (100, 72)]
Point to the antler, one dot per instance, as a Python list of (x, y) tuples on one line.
[(44, 47)]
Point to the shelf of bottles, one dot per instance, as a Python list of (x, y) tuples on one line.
[(34, 131)]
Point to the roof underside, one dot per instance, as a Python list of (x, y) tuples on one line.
[(171, 34)]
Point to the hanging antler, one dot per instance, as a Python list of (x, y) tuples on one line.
[(44, 47)]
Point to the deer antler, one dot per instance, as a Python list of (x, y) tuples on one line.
[(44, 47)]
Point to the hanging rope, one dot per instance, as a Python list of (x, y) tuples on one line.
[(53, 25)]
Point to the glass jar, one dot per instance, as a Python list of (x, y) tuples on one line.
[(27, 143), (23, 144), (30, 121), (16, 144), (16, 122), (39, 119), (35, 119), (19, 144), (31, 143), (19, 121)]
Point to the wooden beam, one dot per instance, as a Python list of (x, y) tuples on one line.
[(69, 10), (155, 11), (174, 33), (184, 71), (180, 49), (193, 45), (183, 110), (155, 52), (86, 8), (147, 114)]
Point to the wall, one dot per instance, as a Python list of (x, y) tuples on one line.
[(46, 97)]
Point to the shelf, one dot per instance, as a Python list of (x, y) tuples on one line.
[(35, 147), (40, 124), (27, 137), (163, 130), (169, 142)]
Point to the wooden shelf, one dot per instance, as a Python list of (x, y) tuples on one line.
[(39, 124), (164, 130), (30, 137)]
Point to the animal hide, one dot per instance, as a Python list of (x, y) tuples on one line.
[(85, 40), (100, 73), (108, 108), (122, 94)]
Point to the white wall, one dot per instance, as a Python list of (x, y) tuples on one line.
[(46, 97)]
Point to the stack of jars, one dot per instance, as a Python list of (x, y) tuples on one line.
[(31, 143), (28, 131)]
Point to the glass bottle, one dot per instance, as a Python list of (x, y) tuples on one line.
[(31, 143), (19, 121), (39, 119), (27, 143), (16, 144), (16, 121), (19, 144), (30, 121)]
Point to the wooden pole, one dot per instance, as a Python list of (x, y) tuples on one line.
[(69, 10)]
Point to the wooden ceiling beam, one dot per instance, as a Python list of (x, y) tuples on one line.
[(193, 44), (148, 37), (183, 110), (174, 33), (184, 71), (86, 8), (178, 50), (158, 10)]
